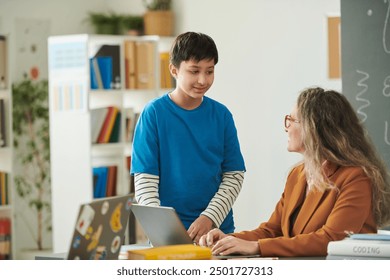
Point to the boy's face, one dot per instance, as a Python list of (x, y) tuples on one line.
[(193, 79)]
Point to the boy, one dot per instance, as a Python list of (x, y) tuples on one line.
[(186, 153)]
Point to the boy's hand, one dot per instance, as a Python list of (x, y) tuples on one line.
[(199, 227)]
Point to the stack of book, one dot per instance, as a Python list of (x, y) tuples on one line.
[(367, 246)]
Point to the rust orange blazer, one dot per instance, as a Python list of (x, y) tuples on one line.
[(324, 216)]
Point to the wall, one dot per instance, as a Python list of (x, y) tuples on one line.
[(269, 51)]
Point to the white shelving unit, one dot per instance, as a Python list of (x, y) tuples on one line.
[(71, 100), (6, 152)]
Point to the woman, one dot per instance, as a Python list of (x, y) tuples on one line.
[(341, 185)]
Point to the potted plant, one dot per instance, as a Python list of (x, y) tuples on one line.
[(105, 23), (132, 24), (32, 153), (159, 18)]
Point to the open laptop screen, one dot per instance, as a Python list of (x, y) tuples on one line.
[(161, 224)]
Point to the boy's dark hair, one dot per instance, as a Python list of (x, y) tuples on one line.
[(193, 45)]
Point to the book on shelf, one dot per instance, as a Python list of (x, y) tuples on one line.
[(111, 180), (363, 245), (145, 65), (98, 115), (166, 79), (101, 72), (100, 181), (131, 121), (3, 135), (4, 198), (96, 78), (130, 65), (131, 181), (3, 62), (172, 252), (115, 133), (130, 124)]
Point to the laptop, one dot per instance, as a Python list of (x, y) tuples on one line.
[(161, 225), (100, 229)]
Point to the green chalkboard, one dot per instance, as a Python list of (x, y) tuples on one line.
[(365, 52)]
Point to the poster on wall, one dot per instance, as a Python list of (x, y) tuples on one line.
[(68, 74), (334, 48), (31, 48)]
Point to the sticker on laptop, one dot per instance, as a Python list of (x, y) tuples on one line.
[(85, 219), (115, 221)]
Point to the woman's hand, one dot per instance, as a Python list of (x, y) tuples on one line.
[(209, 239), (232, 245)]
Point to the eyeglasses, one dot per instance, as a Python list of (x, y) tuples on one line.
[(288, 119)]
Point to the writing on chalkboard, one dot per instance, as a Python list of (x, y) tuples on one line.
[(386, 88), (366, 102), (385, 46)]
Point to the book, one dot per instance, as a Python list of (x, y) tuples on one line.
[(105, 68), (130, 123), (96, 78), (371, 236), (3, 62), (166, 80), (98, 115), (101, 72), (3, 188), (360, 247), (100, 179), (130, 65), (128, 166), (111, 180), (145, 65), (172, 252), (3, 136), (349, 257), (115, 133)]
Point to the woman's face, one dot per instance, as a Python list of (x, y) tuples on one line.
[(294, 132)]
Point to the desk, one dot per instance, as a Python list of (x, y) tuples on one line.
[(125, 248)]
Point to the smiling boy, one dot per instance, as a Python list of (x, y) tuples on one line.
[(186, 152)]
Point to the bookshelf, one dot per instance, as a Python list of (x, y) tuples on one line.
[(7, 217), (81, 82)]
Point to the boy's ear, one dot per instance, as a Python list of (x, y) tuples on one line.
[(173, 70)]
